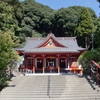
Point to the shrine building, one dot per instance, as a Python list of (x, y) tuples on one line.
[(43, 55)]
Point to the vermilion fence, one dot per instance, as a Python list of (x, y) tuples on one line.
[(95, 72)]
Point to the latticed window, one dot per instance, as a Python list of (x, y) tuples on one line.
[(30, 62)]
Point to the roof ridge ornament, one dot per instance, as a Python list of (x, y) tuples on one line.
[(50, 34)]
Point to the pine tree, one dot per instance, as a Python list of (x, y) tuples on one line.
[(85, 26)]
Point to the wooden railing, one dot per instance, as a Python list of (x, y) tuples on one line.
[(95, 72)]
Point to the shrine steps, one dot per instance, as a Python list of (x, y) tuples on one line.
[(62, 87)]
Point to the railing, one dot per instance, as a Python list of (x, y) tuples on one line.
[(95, 72), (49, 81)]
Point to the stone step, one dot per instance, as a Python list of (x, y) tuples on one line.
[(61, 85), (51, 95), (50, 99), (61, 88), (85, 98), (44, 90), (57, 89), (51, 92)]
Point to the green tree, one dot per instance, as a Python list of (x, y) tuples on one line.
[(85, 27), (7, 55), (7, 19), (35, 17), (8, 25), (85, 58), (66, 20), (97, 33)]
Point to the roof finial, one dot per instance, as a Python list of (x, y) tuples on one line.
[(50, 32)]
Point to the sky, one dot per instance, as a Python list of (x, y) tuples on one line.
[(57, 4)]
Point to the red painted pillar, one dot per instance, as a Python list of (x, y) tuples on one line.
[(33, 64), (58, 64), (43, 69)]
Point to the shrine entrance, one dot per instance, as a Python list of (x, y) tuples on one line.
[(51, 66), (62, 64), (39, 65)]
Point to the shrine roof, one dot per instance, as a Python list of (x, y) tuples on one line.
[(52, 50), (58, 44)]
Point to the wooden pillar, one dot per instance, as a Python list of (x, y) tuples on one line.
[(43, 69), (33, 69), (33, 64), (58, 64)]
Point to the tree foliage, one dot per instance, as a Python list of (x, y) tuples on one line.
[(8, 26), (44, 19), (35, 17), (97, 33), (7, 54), (7, 17), (85, 26), (30, 16), (87, 56)]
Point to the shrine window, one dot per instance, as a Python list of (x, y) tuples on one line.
[(30, 61)]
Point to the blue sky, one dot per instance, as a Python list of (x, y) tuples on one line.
[(57, 4)]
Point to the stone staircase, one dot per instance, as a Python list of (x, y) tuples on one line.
[(54, 87)]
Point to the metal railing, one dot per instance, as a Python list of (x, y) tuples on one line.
[(49, 86), (95, 72)]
